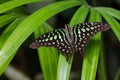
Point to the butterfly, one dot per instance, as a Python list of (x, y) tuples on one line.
[(71, 38)]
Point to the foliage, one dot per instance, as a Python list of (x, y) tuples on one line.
[(20, 26)]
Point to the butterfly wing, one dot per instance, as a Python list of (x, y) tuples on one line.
[(84, 31), (56, 38)]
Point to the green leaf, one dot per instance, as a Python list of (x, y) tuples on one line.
[(48, 56), (14, 3), (110, 11), (102, 65), (90, 62), (64, 67), (5, 19), (115, 25), (9, 30), (83, 2), (94, 16), (29, 25), (117, 76), (4, 36), (80, 15)]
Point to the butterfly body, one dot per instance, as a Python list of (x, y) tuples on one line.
[(71, 38)]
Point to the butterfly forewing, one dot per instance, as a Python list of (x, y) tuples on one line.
[(55, 38), (84, 32)]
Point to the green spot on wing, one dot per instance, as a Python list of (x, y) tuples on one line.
[(87, 29), (79, 31), (55, 37), (60, 37), (83, 30), (51, 38), (46, 39), (92, 28)]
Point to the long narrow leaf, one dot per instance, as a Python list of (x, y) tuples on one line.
[(5, 19), (3, 39), (29, 25), (83, 2), (90, 62), (111, 11), (9, 30), (115, 25), (64, 67), (80, 15), (94, 16), (48, 56), (102, 66), (117, 76), (14, 3)]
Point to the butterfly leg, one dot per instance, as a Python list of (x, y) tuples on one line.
[(82, 52), (67, 57)]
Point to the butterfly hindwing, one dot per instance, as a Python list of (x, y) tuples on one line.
[(84, 32)]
